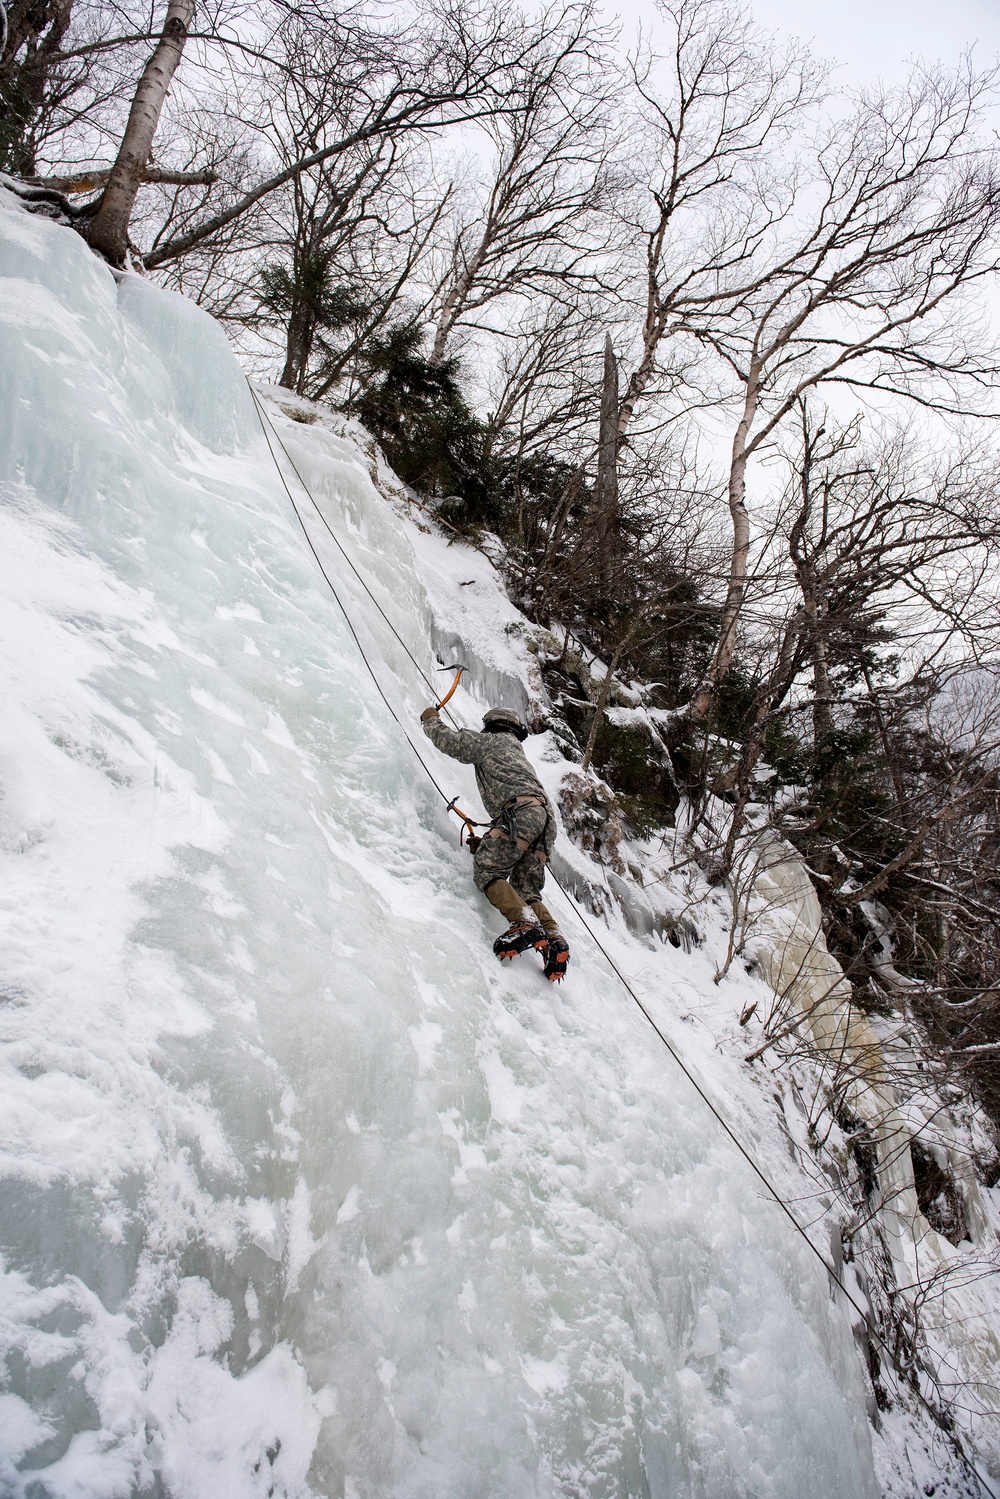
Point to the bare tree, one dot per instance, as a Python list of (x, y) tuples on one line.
[(64, 70), (538, 225), (710, 161), (347, 232), (108, 231), (456, 64), (888, 550), (870, 292), (780, 262)]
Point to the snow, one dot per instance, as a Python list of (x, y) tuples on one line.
[(302, 1193)]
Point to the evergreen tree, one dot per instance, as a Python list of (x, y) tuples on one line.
[(428, 431)]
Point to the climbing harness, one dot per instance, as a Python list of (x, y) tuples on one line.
[(505, 826), (451, 806)]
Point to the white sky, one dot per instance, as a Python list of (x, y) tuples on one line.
[(877, 37), (871, 38)]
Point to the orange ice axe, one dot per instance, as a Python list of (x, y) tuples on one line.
[(458, 670)]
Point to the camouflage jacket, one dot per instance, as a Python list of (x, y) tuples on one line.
[(502, 768)]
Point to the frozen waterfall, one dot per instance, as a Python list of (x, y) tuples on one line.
[(303, 1194)]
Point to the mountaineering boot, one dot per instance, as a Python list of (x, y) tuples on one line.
[(524, 931), (556, 954), (518, 937), (555, 951)]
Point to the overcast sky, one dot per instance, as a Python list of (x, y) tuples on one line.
[(871, 38), (877, 37)]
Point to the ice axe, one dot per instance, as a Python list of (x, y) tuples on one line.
[(458, 670), (470, 824)]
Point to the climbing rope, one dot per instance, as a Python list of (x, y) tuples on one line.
[(772, 1190), (265, 422)]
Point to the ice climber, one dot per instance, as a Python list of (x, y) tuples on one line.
[(509, 860)]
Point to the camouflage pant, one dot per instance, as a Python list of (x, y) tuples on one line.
[(497, 858)]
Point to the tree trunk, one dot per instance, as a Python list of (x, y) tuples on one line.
[(23, 85), (946, 912), (704, 695), (654, 325), (891, 759), (90, 181), (298, 347), (454, 303), (608, 527), (602, 703), (815, 608), (769, 700), (108, 232), (814, 605), (448, 316)]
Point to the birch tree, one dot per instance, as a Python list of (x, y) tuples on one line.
[(108, 230), (787, 253), (866, 287), (719, 101)]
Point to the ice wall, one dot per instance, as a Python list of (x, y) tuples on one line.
[(302, 1194)]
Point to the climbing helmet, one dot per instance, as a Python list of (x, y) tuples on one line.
[(504, 721)]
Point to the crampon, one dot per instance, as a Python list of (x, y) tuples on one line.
[(518, 937), (556, 955)]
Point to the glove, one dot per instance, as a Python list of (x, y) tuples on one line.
[(428, 713), (473, 842)]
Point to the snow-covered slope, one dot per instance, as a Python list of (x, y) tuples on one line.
[(303, 1194)]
